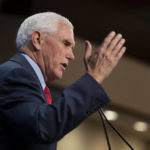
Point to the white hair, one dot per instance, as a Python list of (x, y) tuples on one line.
[(46, 22)]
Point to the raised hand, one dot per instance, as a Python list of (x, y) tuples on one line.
[(101, 63)]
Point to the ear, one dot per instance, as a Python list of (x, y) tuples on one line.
[(37, 40)]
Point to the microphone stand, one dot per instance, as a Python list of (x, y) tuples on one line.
[(105, 131), (103, 117)]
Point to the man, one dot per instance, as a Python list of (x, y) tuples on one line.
[(45, 44)]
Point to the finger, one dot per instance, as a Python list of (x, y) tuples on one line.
[(88, 50), (118, 47), (121, 52), (114, 42), (108, 39)]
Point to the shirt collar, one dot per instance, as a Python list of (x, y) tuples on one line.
[(36, 69)]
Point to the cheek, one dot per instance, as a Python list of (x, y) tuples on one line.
[(58, 55), (53, 61)]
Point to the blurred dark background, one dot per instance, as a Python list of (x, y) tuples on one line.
[(93, 19)]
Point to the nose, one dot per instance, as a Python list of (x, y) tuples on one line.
[(70, 55)]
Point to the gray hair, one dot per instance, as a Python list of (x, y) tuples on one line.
[(46, 22)]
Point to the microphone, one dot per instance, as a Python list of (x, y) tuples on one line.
[(103, 117)]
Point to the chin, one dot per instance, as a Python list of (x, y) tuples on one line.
[(55, 76), (58, 76)]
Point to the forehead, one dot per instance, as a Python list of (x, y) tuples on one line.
[(65, 31)]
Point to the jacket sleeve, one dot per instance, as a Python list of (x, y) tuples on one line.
[(24, 112)]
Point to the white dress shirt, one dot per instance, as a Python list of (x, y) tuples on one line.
[(36, 69)]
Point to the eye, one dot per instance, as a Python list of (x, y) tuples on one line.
[(67, 43)]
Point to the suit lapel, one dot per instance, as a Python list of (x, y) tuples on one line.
[(20, 59)]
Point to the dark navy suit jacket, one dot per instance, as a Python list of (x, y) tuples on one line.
[(27, 122)]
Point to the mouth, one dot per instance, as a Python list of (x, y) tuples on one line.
[(64, 66)]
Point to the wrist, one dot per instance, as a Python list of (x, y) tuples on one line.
[(98, 78)]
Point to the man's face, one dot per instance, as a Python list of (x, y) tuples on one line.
[(57, 51)]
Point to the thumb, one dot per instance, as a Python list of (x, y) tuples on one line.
[(88, 51)]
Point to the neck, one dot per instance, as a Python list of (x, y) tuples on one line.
[(36, 57)]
